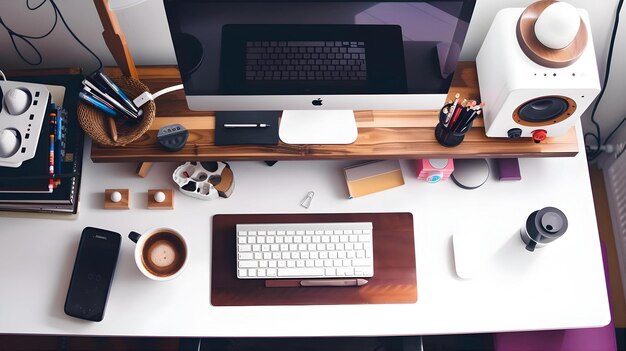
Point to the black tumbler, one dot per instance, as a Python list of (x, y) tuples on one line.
[(543, 226)]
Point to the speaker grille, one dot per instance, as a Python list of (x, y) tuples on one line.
[(545, 110)]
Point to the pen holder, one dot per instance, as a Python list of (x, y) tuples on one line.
[(94, 121), (446, 136)]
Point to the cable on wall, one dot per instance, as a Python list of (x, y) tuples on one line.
[(593, 153), (27, 38)]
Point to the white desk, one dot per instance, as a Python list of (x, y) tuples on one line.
[(559, 286)]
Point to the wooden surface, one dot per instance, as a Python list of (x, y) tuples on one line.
[(115, 39), (394, 278), (382, 134), (605, 228)]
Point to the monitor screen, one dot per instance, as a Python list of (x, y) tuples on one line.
[(303, 55)]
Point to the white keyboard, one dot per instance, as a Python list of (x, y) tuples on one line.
[(305, 250)]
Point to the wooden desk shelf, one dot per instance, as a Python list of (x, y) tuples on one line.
[(382, 134)]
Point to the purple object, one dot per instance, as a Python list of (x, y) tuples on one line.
[(589, 339), (508, 169)]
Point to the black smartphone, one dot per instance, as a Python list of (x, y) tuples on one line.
[(93, 273)]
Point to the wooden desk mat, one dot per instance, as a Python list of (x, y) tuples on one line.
[(394, 264)]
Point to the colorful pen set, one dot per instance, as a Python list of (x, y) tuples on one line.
[(100, 92), (461, 113), (57, 145)]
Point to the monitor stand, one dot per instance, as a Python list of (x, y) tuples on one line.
[(318, 127)]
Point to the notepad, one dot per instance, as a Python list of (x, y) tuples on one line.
[(372, 177)]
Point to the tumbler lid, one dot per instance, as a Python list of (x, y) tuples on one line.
[(550, 223)]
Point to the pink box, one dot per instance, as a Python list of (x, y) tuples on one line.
[(434, 169)]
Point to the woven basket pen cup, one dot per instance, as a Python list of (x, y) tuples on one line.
[(94, 121)]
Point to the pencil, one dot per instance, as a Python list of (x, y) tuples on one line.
[(112, 127), (453, 107)]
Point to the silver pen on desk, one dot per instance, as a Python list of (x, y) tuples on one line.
[(333, 282), (246, 125)]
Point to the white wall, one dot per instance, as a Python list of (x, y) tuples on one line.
[(148, 37)]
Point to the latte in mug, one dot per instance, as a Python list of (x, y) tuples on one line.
[(160, 254)]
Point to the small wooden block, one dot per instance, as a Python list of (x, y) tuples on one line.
[(124, 204), (168, 204), (143, 169)]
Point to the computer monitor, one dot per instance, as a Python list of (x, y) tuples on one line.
[(317, 61)]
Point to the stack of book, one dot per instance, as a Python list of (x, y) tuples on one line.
[(50, 181)]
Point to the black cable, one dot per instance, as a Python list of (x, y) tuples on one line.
[(620, 153), (36, 7), (25, 38), (593, 154), (56, 8), (13, 35)]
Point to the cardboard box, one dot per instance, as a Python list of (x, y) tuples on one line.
[(372, 177)]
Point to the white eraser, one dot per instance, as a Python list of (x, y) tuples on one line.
[(468, 255)]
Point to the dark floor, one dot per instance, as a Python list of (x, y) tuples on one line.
[(475, 342), (435, 343)]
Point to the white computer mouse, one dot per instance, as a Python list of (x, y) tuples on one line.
[(9, 142), (16, 101), (557, 25), (468, 255)]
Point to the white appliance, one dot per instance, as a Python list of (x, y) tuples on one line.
[(529, 88), (22, 113)]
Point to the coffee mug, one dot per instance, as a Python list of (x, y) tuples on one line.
[(161, 253)]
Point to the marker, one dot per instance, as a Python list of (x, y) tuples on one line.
[(246, 125)]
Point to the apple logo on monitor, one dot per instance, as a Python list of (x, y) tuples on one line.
[(317, 102)]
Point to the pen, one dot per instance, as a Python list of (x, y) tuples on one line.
[(90, 100), (333, 282), (291, 283), (246, 125), (119, 91), (90, 87)]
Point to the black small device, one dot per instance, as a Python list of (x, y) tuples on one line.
[(172, 137), (93, 273)]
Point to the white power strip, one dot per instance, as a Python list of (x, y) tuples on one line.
[(26, 125)]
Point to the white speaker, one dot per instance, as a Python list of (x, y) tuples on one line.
[(537, 70)]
